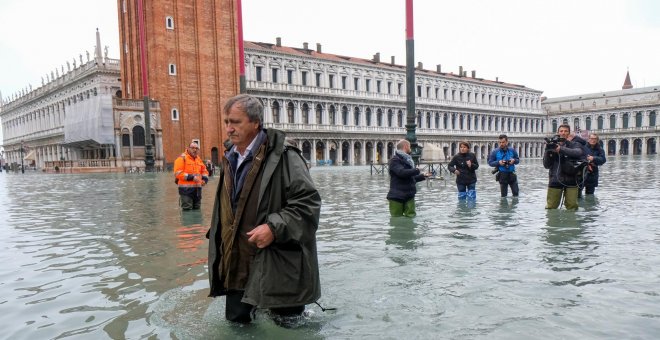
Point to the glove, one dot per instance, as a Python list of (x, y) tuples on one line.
[(205, 179), (190, 177)]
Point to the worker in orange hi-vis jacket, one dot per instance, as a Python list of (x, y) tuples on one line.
[(191, 175)]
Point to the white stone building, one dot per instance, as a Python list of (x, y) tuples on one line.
[(75, 122), (625, 120), (353, 110)]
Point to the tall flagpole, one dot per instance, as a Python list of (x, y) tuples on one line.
[(241, 52), (410, 84)]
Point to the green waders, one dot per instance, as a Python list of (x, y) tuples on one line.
[(402, 209)]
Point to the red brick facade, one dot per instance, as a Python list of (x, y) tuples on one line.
[(203, 46)]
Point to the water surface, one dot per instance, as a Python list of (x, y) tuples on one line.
[(111, 256)]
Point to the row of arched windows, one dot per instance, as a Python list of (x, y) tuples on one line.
[(600, 121), (397, 118)]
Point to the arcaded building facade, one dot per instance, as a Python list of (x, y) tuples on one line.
[(346, 110), (74, 122), (192, 67), (625, 120)]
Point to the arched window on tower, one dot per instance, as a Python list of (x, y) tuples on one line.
[(332, 115), (319, 117), (290, 113), (305, 114), (125, 138), (276, 112), (138, 136)]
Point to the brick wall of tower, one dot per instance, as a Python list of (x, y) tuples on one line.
[(203, 46)]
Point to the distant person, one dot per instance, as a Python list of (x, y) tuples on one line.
[(562, 158), (464, 165), (504, 160), (262, 240), (403, 178), (210, 167), (190, 175), (595, 158)]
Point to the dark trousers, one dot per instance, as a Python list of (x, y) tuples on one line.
[(241, 312), (193, 201), (508, 179)]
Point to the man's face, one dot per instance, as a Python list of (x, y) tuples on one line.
[(406, 148), (593, 140), (240, 130), (463, 149), (503, 143), (193, 149), (564, 132)]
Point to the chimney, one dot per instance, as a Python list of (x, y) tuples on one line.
[(464, 73), (420, 66), (438, 68), (497, 79), (377, 57), (318, 48), (474, 74), (305, 46), (460, 71), (278, 42), (393, 60)]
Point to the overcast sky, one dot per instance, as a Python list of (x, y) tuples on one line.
[(561, 47)]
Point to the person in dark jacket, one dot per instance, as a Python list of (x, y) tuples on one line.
[(595, 158), (464, 165), (562, 160), (504, 160), (403, 178), (262, 239)]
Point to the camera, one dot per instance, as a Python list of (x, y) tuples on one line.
[(552, 142)]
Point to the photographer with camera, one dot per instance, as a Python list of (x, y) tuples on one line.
[(504, 160), (563, 159)]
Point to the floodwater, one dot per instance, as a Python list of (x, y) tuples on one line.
[(111, 256)]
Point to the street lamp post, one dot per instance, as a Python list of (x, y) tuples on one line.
[(148, 147), (22, 166)]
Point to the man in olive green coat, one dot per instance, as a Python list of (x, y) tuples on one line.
[(262, 239)]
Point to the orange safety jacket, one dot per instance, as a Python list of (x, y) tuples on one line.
[(185, 165)]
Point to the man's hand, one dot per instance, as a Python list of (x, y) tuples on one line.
[(469, 163), (261, 236)]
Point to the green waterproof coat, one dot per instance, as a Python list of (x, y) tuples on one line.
[(285, 273)]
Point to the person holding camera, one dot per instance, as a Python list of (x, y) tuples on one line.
[(404, 176), (464, 165), (595, 158), (504, 160), (562, 159)]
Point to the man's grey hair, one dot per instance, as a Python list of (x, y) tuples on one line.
[(401, 144), (250, 105)]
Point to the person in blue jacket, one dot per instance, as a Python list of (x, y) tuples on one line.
[(596, 158), (464, 165), (504, 160), (403, 179)]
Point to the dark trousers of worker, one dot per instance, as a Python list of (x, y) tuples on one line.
[(508, 179), (193, 201), (242, 312)]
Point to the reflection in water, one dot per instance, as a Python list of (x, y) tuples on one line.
[(572, 249), (402, 233)]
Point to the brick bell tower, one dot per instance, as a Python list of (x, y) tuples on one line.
[(192, 67)]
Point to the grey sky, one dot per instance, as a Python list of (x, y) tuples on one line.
[(561, 47)]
